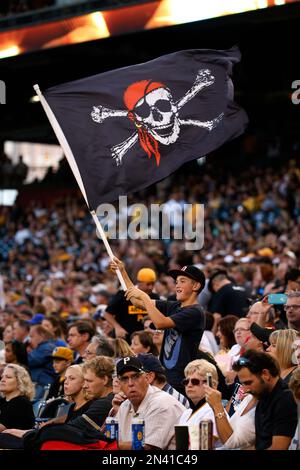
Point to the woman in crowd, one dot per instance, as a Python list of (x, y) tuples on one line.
[(74, 393), (225, 332), (158, 335), (241, 333), (57, 327), (294, 385), (238, 431), (195, 379), (147, 322), (142, 342), (296, 350), (17, 390), (281, 348), (121, 348), (16, 353), (90, 381), (227, 340), (208, 341), (8, 333)]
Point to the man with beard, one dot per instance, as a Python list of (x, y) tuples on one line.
[(276, 411)]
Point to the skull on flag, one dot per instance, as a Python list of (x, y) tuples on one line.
[(155, 114)]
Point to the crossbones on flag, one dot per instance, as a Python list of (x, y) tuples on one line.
[(131, 127)]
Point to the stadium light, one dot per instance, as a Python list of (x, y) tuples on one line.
[(34, 99), (10, 52)]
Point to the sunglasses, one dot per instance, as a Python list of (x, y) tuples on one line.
[(185, 382), (242, 361)]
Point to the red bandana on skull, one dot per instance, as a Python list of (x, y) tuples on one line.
[(132, 95)]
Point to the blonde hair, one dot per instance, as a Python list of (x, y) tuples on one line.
[(284, 340), (24, 382), (294, 383), (121, 348), (201, 366), (78, 368)]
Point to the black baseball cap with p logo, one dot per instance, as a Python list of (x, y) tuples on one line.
[(127, 364), (189, 271)]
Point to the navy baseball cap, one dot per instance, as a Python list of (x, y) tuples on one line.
[(37, 319), (189, 271), (127, 364), (151, 363), (262, 334)]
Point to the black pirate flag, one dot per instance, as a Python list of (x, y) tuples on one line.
[(129, 128)]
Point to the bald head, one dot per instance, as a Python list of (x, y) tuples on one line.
[(254, 312)]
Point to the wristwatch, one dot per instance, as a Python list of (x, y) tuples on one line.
[(220, 415)]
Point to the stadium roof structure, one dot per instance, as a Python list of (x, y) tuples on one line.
[(263, 81)]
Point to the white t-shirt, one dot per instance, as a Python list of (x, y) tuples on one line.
[(208, 343), (190, 417), (243, 426)]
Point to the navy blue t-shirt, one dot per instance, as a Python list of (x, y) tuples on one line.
[(229, 300), (128, 316), (180, 344), (275, 415)]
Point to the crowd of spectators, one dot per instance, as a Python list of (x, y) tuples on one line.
[(247, 215), (12, 175), (61, 304)]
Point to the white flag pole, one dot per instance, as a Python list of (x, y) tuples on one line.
[(72, 162)]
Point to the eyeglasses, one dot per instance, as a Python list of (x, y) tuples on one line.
[(291, 307), (89, 353), (134, 378), (185, 382), (242, 361), (237, 330)]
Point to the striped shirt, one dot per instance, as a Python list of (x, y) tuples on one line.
[(172, 391)]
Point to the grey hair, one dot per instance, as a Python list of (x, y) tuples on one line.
[(201, 367), (293, 294), (97, 339), (104, 347)]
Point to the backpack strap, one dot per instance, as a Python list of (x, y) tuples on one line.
[(91, 422)]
